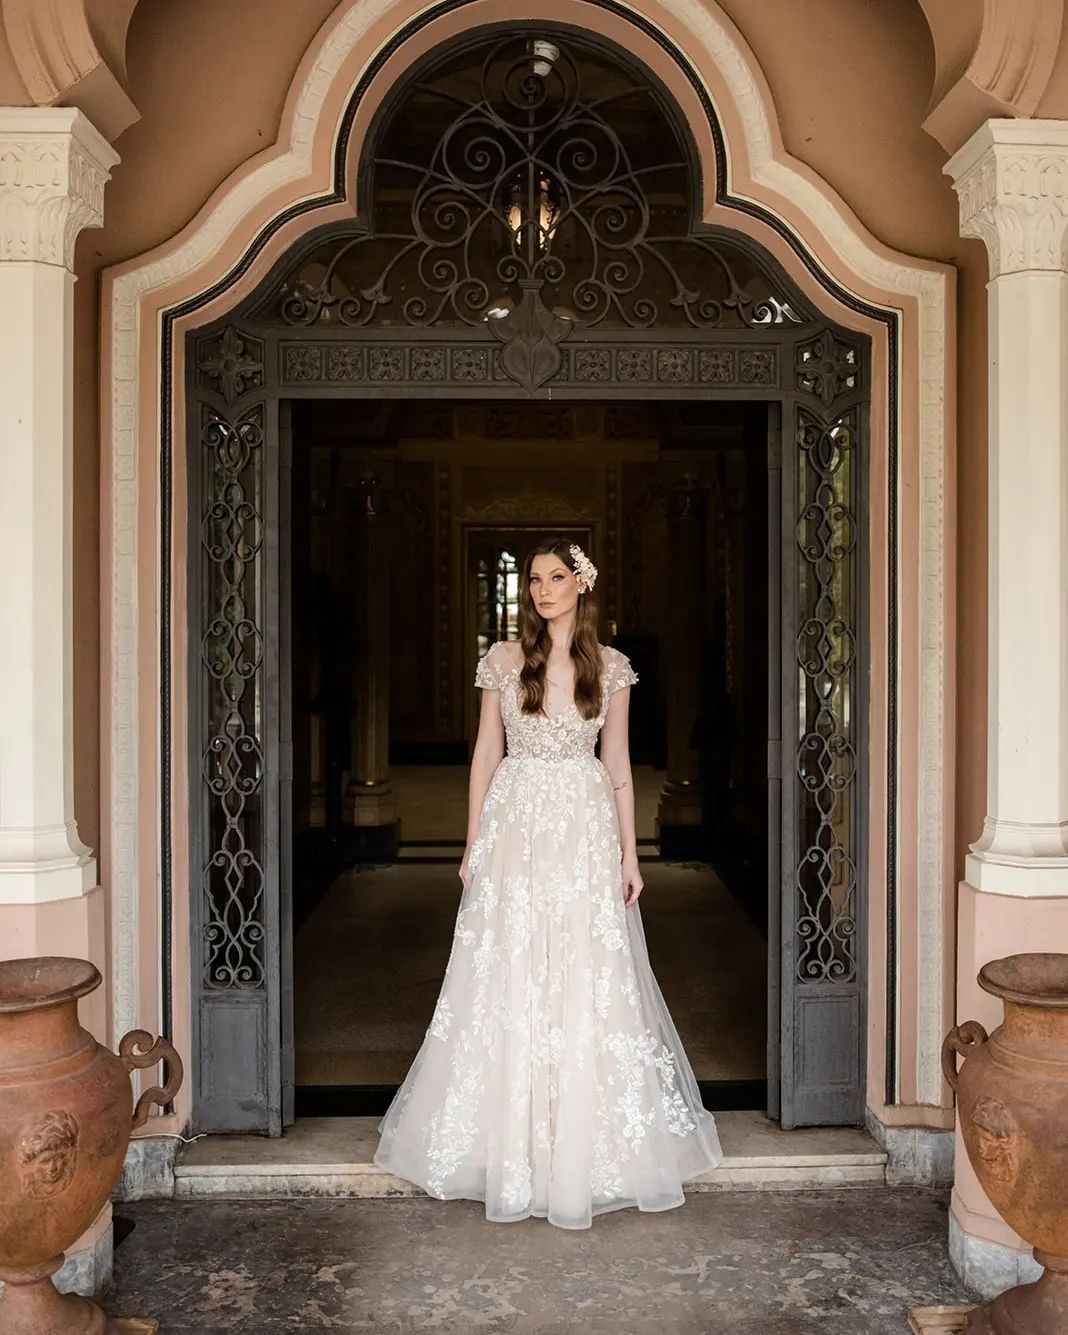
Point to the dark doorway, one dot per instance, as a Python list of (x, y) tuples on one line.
[(672, 500)]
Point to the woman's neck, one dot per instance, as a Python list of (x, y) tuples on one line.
[(561, 632)]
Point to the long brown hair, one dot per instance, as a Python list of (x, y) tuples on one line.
[(535, 639)]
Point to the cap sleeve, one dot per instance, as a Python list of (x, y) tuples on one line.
[(620, 672), (492, 667)]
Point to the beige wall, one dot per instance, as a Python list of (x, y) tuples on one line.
[(851, 83)]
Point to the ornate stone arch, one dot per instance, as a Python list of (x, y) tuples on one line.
[(231, 244)]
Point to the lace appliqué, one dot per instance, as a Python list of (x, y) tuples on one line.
[(562, 736), (550, 1042)]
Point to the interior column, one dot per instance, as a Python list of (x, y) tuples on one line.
[(1012, 180), (370, 808), (680, 809)]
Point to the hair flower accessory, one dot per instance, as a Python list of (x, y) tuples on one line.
[(585, 570)]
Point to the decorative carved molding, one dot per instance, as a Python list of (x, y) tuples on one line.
[(1012, 180), (530, 507), (579, 364), (57, 56), (53, 169)]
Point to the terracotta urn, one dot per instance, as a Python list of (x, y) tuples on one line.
[(1012, 1105), (66, 1113)]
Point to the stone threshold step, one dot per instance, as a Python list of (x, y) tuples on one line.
[(333, 1156)]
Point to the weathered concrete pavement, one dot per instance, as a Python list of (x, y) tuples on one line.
[(845, 1262)]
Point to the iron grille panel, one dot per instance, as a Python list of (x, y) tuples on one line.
[(231, 652), (531, 187), (827, 713)]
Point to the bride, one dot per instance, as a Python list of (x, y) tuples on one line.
[(551, 1080)]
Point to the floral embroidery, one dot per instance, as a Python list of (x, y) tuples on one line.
[(548, 1024)]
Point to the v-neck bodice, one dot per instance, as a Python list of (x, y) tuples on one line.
[(562, 736)]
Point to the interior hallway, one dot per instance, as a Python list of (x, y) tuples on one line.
[(369, 960), (432, 800)]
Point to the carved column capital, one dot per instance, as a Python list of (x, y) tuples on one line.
[(54, 165), (1012, 181)]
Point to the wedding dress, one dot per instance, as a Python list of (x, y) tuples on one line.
[(551, 1080)]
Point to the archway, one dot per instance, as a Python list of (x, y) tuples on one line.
[(531, 226), (751, 185)]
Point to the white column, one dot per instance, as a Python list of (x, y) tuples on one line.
[(53, 168), (1012, 179)]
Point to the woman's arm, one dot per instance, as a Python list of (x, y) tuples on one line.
[(489, 748), (615, 755)]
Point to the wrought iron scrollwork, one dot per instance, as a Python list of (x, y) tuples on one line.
[(231, 651), (826, 662), (531, 187)]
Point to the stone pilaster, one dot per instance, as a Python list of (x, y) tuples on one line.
[(1012, 178), (1012, 181), (53, 168)]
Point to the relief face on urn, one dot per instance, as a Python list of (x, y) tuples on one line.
[(48, 1154), (1012, 1106), (66, 1113), (65, 1108)]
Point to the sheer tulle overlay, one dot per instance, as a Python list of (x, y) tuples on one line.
[(552, 1080)]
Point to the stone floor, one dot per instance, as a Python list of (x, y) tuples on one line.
[(432, 800), (369, 961), (846, 1262)]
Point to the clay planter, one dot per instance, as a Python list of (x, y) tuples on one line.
[(1012, 1104), (66, 1113)]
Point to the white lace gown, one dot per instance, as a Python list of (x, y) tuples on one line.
[(551, 1080)]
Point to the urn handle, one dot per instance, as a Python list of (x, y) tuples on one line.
[(138, 1051), (964, 1038)]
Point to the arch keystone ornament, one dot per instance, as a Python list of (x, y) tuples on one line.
[(530, 335), (745, 274)]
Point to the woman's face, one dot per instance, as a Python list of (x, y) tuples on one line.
[(553, 586)]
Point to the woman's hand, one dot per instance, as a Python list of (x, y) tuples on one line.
[(632, 880), (464, 871)]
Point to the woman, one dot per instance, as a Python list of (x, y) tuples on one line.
[(551, 1080)]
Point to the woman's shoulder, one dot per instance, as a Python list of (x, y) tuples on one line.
[(505, 654), (618, 671), (610, 655)]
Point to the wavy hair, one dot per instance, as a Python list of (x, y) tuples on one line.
[(535, 639)]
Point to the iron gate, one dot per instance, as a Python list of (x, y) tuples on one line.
[(528, 229)]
